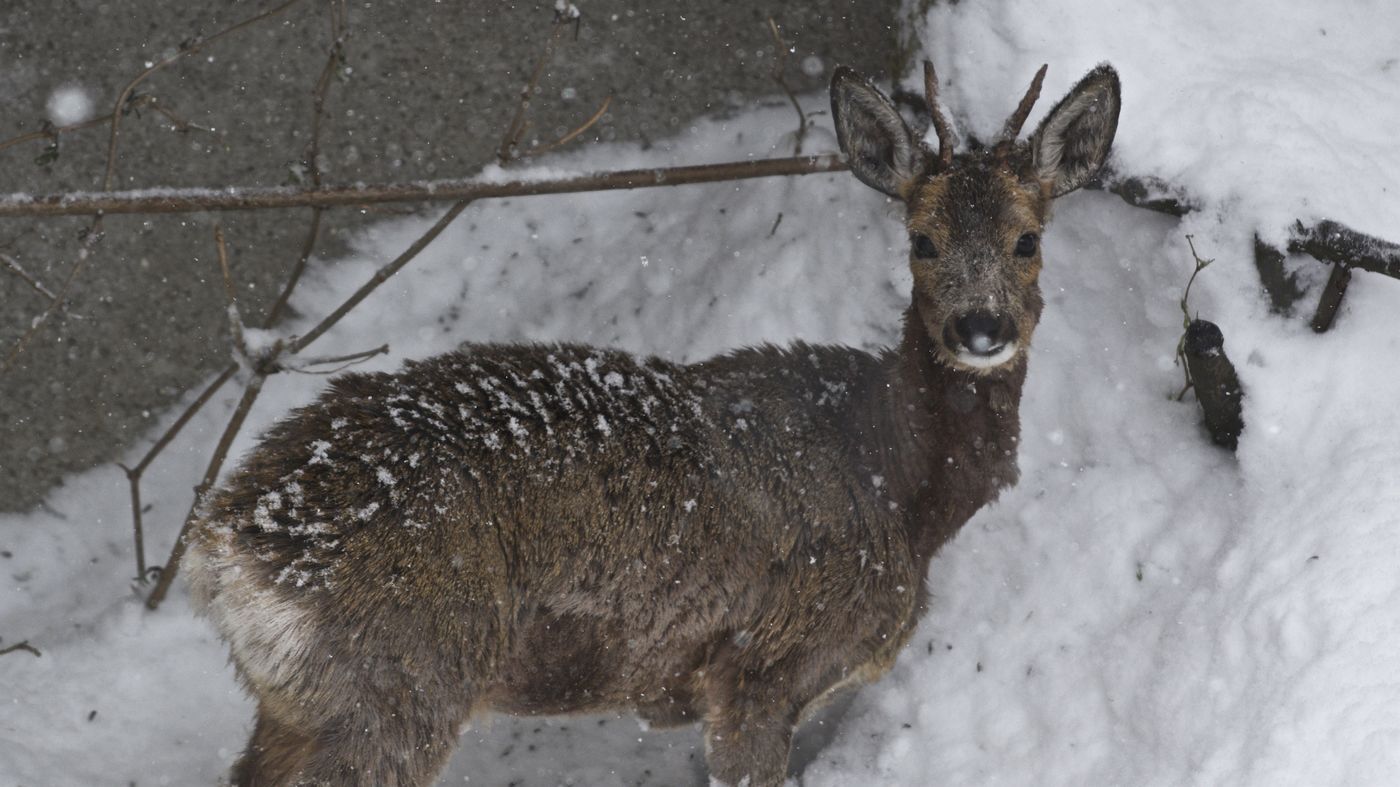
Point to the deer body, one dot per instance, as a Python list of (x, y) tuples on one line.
[(558, 528)]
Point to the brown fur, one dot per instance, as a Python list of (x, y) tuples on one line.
[(558, 528)]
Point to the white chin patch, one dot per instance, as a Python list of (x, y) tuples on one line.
[(988, 361)]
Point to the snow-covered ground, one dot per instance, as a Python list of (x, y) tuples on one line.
[(1143, 609)]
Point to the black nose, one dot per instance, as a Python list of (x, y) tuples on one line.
[(981, 333)]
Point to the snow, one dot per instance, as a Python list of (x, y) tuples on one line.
[(1143, 608), (68, 105)]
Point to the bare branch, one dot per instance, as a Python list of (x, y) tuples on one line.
[(340, 34), (946, 142), (133, 474), (30, 280), (276, 197), (1012, 130), (380, 276), (211, 474)]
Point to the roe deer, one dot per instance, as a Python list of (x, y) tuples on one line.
[(543, 529)]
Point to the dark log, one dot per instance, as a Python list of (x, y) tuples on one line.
[(1216, 384), (1331, 299), (1339, 244), (1280, 285)]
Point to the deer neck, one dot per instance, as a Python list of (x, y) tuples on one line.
[(946, 439)]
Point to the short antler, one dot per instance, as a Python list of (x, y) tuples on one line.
[(940, 123), (1012, 130)]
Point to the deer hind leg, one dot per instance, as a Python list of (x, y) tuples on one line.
[(372, 734), (749, 725), (275, 753)]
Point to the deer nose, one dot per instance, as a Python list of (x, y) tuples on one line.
[(980, 333)]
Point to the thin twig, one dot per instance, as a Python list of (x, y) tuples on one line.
[(30, 280), (569, 137), (180, 123), (346, 361), (380, 276), (211, 474), (54, 133), (235, 320), (518, 122), (1187, 319), (94, 234), (779, 64), (25, 646), (133, 474), (340, 33), (358, 195), (185, 49)]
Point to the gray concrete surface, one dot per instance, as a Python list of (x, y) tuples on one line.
[(430, 90)]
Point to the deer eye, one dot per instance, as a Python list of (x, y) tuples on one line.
[(1025, 245), (923, 247)]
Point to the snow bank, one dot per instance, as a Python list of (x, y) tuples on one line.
[(1272, 111)]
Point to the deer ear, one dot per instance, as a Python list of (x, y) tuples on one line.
[(881, 150), (1073, 141)]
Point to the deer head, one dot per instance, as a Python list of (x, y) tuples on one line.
[(975, 218)]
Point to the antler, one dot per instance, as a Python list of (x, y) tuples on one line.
[(1012, 130), (940, 123)]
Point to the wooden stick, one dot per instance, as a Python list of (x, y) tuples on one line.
[(276, 197)]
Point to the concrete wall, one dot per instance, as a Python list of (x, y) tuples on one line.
[(430, 90)]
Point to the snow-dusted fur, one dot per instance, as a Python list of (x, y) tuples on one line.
[(557, 528)]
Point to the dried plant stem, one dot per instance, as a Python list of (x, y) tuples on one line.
[(519, 122), (510, 143), (779, 65), (235, 320)]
